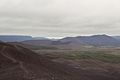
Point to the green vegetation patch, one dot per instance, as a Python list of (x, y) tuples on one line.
[(98, 55)]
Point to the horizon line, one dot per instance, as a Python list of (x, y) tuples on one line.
[(53, 37)]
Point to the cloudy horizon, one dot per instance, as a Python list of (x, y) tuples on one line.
[(59, 18)]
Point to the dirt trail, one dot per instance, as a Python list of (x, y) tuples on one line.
[(22, 67), (7, 55), (13, 60)]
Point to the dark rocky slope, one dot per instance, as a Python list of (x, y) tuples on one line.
[(19, 63)]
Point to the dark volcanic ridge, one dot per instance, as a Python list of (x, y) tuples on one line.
[(19, 63)]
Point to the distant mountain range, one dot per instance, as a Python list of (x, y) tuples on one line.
[(95, 40)]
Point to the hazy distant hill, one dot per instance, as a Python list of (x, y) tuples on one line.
[(95, 40), (117, 37), (18, 38), (14, 38), (37, 42)]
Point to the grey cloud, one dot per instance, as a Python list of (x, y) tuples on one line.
[(59, 17)]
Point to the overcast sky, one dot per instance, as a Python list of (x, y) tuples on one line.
[(59, 18)]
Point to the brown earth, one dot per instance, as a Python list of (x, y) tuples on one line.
[(19, 63)]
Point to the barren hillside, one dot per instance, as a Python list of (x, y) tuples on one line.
[(19, 63)]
